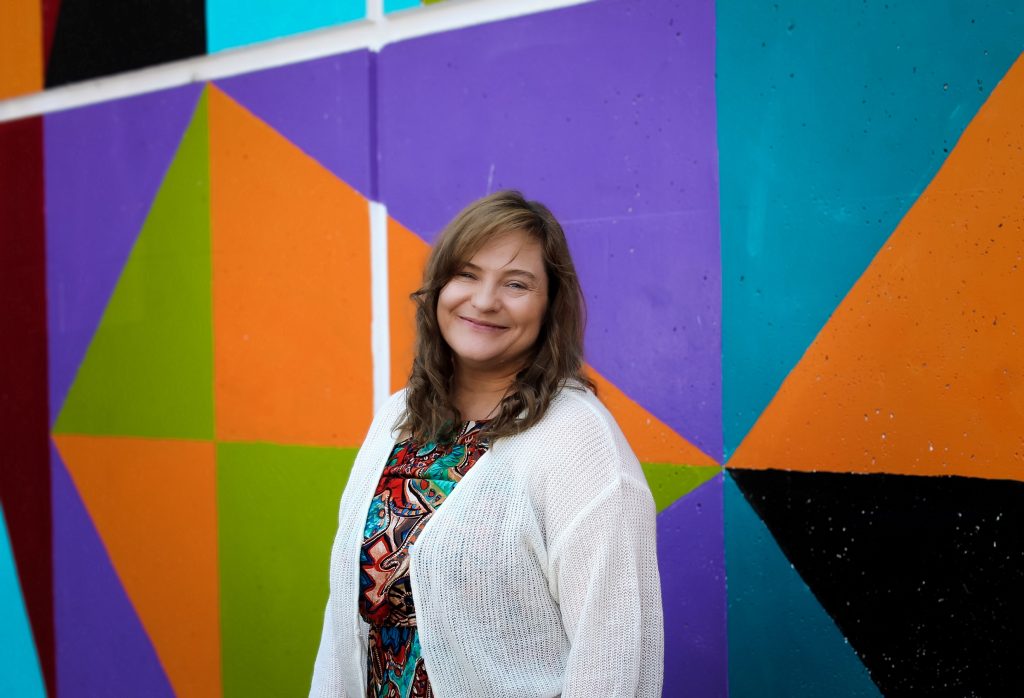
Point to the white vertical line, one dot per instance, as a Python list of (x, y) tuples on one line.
[(380, 331), (375, 10)]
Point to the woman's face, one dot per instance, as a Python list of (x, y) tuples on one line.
[(491, 311)]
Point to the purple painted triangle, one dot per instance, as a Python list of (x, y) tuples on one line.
[(102, 648), (691, 559), (322, 106), (605, 111), (104, 165)]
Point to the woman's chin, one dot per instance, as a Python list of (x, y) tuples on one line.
[(480, 361), (485, 361)]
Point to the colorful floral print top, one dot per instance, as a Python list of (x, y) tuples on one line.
[(414, 484)]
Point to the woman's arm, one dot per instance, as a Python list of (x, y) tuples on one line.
[(327, 669), (606, 577)]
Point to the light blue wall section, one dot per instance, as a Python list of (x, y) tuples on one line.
[(396, 5), (231, 23), (832, 119), (19, 664), (781, 641)]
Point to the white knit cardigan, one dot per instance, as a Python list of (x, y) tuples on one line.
[(538, 577)]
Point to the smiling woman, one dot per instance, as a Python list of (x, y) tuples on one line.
[(538, 577)]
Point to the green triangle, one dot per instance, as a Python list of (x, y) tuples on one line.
[(669, 482), (149, 368)]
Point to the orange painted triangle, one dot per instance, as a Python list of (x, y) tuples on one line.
[(920, 370), (154, 505), (651, 439), (291, 289), (407, 256)]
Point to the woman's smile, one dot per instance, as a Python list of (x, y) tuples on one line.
[(483, 325)]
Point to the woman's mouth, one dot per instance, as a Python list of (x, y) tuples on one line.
[(482, 324)]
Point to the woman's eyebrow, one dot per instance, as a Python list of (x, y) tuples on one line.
[(505, 272)]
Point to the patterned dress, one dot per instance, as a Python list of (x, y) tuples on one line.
[(414, 484)]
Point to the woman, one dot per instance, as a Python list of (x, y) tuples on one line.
[(496, 536)]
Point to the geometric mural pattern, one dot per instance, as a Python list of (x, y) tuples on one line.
[(49, 43), (889, 465), (947, 283), (836, 456), (934, 615), (823, 155), (197, 361), (883, 468), (55, 42)]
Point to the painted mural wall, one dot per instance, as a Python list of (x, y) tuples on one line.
[(48, 43), (800, 232)]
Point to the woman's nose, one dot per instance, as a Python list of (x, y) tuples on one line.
[(485, 297)]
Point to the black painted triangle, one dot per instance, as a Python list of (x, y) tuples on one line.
[(923, 575)]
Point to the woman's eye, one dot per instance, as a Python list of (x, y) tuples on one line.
[(465, 275), (519, 286)]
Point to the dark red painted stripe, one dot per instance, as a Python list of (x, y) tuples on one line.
[(24, 420)]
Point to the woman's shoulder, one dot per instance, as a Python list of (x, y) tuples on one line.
[(576, 449), (578, 425), (576, 406)]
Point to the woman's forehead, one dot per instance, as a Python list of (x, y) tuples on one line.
[(507, 248)]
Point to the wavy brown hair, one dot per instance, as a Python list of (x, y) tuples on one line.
[(557, 355)]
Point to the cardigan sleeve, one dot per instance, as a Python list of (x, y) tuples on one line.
[(327, 669), (609, 594)]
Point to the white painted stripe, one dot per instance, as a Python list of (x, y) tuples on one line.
[(380, 330), (374, 32), (374, 10)]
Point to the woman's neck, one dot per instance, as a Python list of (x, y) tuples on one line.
[(477, 395)]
